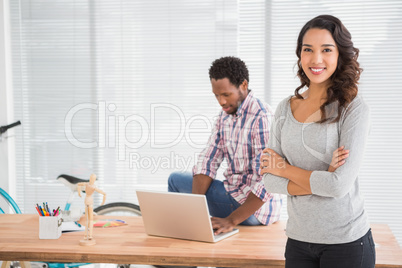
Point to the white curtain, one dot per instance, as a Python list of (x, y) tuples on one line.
[(121, 88)]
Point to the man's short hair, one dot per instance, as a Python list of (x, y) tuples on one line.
[(229, 67)]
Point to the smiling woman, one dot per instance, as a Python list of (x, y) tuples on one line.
[(376, 31), (327, 225)]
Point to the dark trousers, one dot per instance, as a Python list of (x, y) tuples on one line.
[(356, 254)]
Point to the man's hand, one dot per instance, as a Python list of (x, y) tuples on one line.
[(222, 225), (242, 213)]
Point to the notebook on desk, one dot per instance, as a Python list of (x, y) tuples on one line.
[(178, 215)]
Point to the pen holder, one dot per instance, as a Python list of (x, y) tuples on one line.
[(50, 227)]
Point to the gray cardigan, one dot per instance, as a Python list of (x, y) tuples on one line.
[(334, 213)]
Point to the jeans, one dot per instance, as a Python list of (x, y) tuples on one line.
[(220, 203), (356, 254)]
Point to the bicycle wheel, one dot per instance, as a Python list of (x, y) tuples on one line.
[(119, 209), (10, 202)]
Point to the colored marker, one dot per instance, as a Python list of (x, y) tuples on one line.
[(44, 207), (47, 208), (57, 211), (43, 211), (37, 209)]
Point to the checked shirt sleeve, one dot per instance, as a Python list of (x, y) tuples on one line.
[(211, 157), (260, 142)]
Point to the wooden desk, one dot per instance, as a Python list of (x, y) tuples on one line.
[(253, 247)]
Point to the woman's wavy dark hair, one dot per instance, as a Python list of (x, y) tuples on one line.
[(343, 88)]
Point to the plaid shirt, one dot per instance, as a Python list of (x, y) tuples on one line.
[(240, 139)]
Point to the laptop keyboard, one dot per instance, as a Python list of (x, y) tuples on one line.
[(219, 235)]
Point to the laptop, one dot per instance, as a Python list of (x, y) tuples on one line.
[(178, 215)]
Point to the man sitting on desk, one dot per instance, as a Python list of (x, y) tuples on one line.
[(241, 132)]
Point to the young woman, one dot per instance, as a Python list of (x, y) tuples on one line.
[(327, 225)]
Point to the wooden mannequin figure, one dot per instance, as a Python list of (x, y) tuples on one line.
[(90, 188)]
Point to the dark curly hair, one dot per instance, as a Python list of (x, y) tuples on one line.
[(229, 67), (343, 88)]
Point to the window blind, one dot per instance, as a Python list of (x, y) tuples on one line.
[(121, 89)]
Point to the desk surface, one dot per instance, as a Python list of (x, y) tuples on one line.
[(261, 246)]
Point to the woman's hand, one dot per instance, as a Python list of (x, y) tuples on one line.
[(271, 162), (338, 158)]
